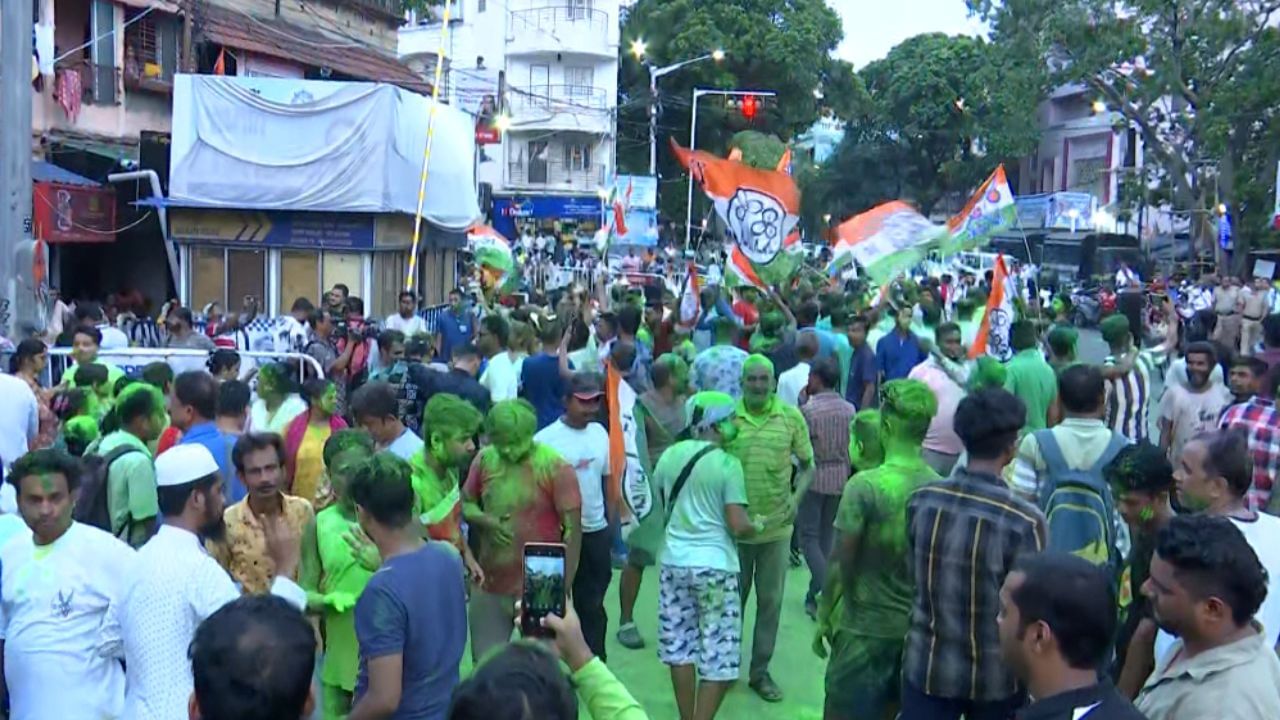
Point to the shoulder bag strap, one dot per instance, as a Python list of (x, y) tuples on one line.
[(683, 477)]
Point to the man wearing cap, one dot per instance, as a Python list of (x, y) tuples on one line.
[(703, 494), (585, 445), (175, 585), (770, 434)]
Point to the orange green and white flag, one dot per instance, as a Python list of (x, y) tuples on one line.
[(760, 209), (993, 334), (886, 240), (690, 300), (990, 210)]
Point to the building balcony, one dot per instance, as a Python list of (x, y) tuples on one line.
[(560, 29), (386, 9), (99, 84), (560, 107), (555, 175)]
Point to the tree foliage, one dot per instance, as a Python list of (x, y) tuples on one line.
[(1195, 78), (782, 46), (939, 113)]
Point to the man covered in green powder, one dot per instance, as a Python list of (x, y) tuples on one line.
[(770, 434), (449, 427), (871, 568), (517, 491), (336, 564)]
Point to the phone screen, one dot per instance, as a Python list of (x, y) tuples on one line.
[(544, 587)]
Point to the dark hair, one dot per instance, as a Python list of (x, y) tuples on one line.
[(465, 350), (354, 305), (173, 498), (384, 488), (1140, 467), (1203, 347), (1255, 365), (807, 313), (253, 660), (143, 401), (807, 344), (860, 319), (1082, 388), (1271, 330), (233, 398), (158, 374), (344, 440), (314, 389), (1074, 598), (375, 400), (301, 304), (550, 331), (69, 403), (629, 318), (91, 374), (26, 350), (319, 315), (88, 331), (827, 370), (1227, 456), (253, 442), (222, 359), (88, 310), (121, 384), (497, 326), (946, 328), (1022, 334), (389, 337), (988, 422), (407, 294), (522, 681), (183, 314), (1211, 558), (199, 390), (622, 355), (45, 462)]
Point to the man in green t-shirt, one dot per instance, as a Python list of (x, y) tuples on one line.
[(871, 570), (1029, 376)]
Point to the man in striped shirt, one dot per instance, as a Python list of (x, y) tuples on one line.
[(964, 535), (1129, 371)]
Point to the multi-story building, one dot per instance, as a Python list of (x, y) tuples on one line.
[(554, 64), (102, 104)]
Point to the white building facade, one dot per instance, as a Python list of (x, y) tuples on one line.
[(556, 63)]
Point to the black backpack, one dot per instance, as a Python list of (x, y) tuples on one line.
[(92, 507)]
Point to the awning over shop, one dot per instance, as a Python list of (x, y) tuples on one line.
[(279, 39), (70, 208)]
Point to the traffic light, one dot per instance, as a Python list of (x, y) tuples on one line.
[(749, 107)]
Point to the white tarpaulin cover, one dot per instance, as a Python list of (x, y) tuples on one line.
[(315, 145)]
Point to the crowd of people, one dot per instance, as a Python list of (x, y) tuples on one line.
[(983, 539)]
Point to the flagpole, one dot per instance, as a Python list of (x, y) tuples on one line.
[(412, 273)]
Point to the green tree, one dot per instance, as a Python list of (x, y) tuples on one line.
[(939, 113), (1195, 78), (782, 46)]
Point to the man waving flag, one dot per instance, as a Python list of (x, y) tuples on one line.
[(993, 334)]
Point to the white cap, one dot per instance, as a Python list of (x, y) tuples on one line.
[(182, 464)]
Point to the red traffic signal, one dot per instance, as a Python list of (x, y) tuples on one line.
[(749, 107)]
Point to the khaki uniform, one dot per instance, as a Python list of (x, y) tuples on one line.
[(1256, 304), (1225, 300)]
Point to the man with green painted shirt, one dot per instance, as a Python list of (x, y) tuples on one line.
[(449, 427), (137, 420), (1029, 376), (770, 434), (871, 567), (335, 568)]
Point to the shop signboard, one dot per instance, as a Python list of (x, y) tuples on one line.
[(319, 231), (73, 213)]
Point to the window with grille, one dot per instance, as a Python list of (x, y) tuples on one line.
[(578, 9), (579, 81), (577, 156)]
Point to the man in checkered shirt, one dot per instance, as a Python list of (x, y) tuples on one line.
[(1260, 420)]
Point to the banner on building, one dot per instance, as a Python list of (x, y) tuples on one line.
[(73, 213)]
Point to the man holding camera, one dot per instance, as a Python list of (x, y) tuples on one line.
[(323, 347)]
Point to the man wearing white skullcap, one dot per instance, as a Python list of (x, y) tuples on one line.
[(175, 584)]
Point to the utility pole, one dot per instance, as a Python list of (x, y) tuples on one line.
[(653, 121), (16, 51)]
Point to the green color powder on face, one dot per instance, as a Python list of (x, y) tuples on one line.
[(46, 482), (1147, 514)]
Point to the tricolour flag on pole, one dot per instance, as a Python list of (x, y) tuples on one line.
[(886, 240), (784, 162), (628, 489), (492, 253), (690, 300), (620, 207), (760, 208), (990, 210), (993, 334)]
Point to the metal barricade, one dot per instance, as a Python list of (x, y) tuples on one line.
[(133, 360)]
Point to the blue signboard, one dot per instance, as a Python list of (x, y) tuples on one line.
[(508, 212), (327, 231)]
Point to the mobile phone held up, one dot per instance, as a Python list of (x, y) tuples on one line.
[(544, 587)]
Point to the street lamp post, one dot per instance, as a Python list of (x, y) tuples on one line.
[(638, 49), (693, 145)]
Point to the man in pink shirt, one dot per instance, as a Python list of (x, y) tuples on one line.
[(946, 374)]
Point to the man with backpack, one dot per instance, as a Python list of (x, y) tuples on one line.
[(704, 495), (1060, 470), (119, 493)]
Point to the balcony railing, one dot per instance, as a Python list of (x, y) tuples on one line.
[(560, 98), (555, 174), (391, 9), (100, 84), (560, 27), (147, 76)]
